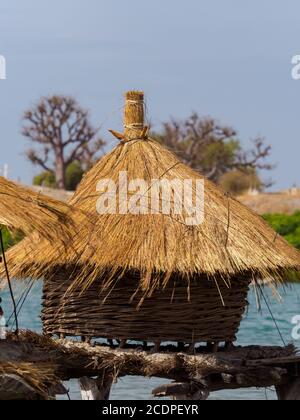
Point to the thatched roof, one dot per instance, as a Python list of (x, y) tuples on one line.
[(26, 381), (231, 241), (41, 217), (25, 210)]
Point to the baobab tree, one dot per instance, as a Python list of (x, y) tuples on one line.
[(62, 131)]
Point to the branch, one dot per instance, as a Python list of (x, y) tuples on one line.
[(252, 159), (33, 157), (195, 375), (74, 154)]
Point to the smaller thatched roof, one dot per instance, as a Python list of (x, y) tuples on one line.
[(26, 381), (25, 210), (232, 241), (39, 216)]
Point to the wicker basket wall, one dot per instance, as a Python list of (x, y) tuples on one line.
[(204, 319)]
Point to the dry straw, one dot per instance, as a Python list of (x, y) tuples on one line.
[(50, 220), (39, 376), (25, 210), (232, 242)]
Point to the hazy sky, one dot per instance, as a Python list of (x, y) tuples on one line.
[(226, 58)]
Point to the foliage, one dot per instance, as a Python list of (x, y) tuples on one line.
[(10, 238), (74, 174), (238, 182), (45, 179), (286, 225)]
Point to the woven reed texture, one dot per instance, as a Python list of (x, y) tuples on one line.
[(203, 319)]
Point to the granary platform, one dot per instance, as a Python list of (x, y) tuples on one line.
[(33, 367)]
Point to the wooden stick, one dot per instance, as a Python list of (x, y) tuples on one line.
[(215, 347), (117, 134)]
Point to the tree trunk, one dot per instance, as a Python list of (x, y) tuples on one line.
[(60, 168)]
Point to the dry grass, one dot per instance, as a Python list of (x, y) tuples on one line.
[(46, 220), (39, 376), (23, 209), (232, 241)]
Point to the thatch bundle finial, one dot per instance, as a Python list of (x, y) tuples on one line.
[(134, 114), (133, 118)]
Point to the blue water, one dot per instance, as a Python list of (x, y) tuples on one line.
[(256, 328)]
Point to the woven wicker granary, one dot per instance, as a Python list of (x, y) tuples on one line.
[(152, 276), (162, 317)]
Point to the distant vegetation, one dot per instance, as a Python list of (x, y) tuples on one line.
[(73, 176), (240, 182), (287, 226), (216, 151), (9, 238)]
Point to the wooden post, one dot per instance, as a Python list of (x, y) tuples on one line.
[(180, 346), (229, 345), (122, 344), (156, 347), (181, 392), (215, 347), (191, 349), (96, 389), (289, 391)]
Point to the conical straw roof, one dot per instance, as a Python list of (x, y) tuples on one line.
[(45, 219), (36, 378), (231, 240), (25, 210)]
